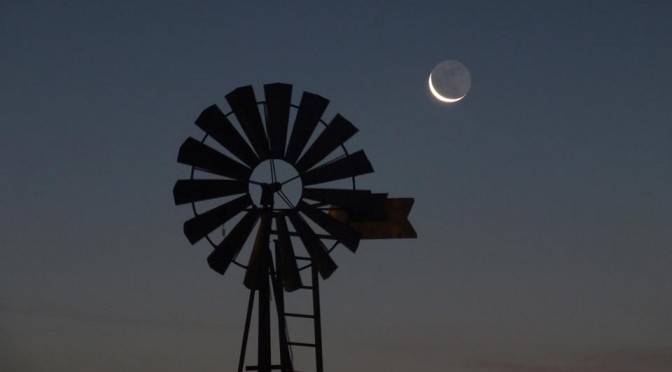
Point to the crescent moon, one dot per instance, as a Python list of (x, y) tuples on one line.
[(439, 96)]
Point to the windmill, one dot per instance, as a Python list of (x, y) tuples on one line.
[(276, 171)]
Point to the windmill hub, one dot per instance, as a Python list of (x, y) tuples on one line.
[(267, 192), (272, 187), (277, 183)]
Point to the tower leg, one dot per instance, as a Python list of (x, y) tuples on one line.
[(246, 332), (264, 350), (278, 291), (317, 320)]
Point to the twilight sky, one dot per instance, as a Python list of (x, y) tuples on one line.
[(543, 202)]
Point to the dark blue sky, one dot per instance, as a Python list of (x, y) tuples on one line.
[(543, 201)]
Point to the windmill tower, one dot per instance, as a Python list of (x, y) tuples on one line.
[(283, 178)]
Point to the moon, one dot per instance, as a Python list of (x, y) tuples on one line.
[(449, 81)]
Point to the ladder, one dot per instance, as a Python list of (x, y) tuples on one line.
[(285, 344)]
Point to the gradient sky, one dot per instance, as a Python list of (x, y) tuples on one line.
[(543, 202)]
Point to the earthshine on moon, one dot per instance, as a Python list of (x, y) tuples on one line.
[(449, 81)]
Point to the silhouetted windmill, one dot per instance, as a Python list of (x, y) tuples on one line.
[(237, 179)]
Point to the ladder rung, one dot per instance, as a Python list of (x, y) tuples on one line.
[(301, 344), (300, 315), (256, 368), (302, 258)]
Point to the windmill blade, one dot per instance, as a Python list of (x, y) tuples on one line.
[(349, 166), (215, 124), (334, 135), (227, 251), (317, 251), (278, 101), (348, 236), (244, 106), (199, 226), (310, 111), (205, 158), (187, 191), (287, 267), (258, 262)]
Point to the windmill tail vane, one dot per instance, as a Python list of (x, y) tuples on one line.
[(276, 171)]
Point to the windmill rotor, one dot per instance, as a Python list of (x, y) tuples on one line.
[(255, 132)]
